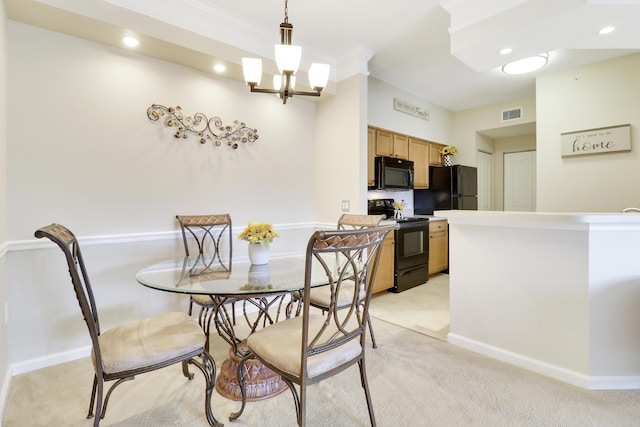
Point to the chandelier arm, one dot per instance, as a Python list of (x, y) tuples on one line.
[(284, 59)]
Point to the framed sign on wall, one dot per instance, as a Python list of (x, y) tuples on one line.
[(596, 141)]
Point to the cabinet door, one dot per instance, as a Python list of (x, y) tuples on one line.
[(400, 146), (434, 155), (371, 155), (384, 275), (384, 143), (419, 154), (438, 246)]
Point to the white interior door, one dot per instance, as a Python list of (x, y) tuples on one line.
[(520, 181), (485, 181)]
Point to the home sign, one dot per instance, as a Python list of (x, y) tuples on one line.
[(596, 141)]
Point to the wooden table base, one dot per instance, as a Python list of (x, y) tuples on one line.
[(260, 381)]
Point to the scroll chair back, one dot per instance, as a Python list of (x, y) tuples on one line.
[(311, 347), (134, 348), (208, 237), (321, 297)]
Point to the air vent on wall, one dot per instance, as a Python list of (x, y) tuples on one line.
[(512, 114)]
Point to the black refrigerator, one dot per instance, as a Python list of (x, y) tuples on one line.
[(450, 187)]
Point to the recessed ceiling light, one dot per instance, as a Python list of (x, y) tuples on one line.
[(220, 68), (526, 65), (506, 51), (607, 30), (130, 41)]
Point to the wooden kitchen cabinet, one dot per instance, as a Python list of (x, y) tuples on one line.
[(438, 246), (385, 274), (419, 154), (391, 144), (435, 159), (400, 146), (371, 155), (423, 153), (384, 143)]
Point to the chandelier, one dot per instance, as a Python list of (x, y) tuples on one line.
[(288, 61)]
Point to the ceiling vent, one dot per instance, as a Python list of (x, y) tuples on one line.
[(512, 114)]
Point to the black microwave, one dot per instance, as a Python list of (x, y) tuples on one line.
[(393, 174)]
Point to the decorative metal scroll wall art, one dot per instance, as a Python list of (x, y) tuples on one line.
[(202, 127)]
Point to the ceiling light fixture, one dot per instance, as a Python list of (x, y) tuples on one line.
[(526, 65), (506, 51), (219, 68), (607, 30), (130, 41), (288, 61)]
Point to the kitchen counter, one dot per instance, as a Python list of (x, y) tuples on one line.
[(556, 293), (431, 217)]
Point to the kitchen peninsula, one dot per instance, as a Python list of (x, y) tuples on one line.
[(556, 293)]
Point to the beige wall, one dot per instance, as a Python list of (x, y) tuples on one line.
[(598, 95)]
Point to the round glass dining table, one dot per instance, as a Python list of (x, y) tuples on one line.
[(262, 291)]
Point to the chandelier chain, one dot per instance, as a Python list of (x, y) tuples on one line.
[(286, 11)]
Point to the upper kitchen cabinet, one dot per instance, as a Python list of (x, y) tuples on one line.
[(389, 144), (382, 142), (435, 159), (371, 150), (419, 154), (400, 146)]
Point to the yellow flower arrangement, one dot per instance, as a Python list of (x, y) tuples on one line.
[(399, 206), (258, 233), (449, 149)]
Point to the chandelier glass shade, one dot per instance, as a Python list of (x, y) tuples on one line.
[(288, 61)]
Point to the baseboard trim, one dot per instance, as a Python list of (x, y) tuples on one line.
[(49, 360), (4, 394), (546, 369)]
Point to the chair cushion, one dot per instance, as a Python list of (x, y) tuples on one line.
[(204, 300), (321, 296), (280, 346), (149, 341)]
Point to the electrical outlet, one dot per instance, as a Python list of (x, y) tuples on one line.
[(345, 205)]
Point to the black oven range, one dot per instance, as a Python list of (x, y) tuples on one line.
[(411, 260)]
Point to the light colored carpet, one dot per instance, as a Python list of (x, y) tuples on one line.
[(424, 309), (415, 380)]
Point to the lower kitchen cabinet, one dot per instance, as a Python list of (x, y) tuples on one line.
[(438, 246), (384, 275)]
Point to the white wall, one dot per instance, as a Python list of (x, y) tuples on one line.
[(4, 340), (81, 145), (598, 95), (381, 114), (502, 146), (84, 153), (468, 123), (341, 151)]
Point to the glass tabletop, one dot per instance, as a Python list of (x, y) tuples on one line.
[(193, 275)]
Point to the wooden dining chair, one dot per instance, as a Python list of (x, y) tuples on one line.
[(311, 347), (208, 236), (321, 297), (137, 347)]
